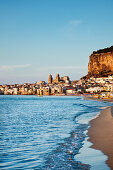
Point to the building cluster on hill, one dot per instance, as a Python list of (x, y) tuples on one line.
[(99, 87)]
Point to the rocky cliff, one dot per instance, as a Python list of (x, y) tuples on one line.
[(101, 63)]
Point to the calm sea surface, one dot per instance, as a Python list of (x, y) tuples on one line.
[(44, 132)]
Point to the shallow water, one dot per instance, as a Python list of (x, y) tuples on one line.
[(44, 132), (95, 158)]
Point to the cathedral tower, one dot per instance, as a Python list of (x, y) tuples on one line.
[(50, 79)]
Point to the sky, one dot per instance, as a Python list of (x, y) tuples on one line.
[(39, 37)]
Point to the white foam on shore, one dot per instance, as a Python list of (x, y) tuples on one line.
[(90, 116), (88, 155), (98, 114), (91, 156)]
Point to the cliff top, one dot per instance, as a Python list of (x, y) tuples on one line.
[(105, 50)]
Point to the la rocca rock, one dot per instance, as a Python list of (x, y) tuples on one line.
[(101, 63)]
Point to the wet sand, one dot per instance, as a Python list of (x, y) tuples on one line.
[(101, 134), (97, 99)]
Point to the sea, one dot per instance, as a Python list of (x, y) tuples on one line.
[(48, 133)]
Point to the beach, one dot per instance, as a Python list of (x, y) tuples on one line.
[(101, 134), (99, 99)]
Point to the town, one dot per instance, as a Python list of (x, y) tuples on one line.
[(101, 87)]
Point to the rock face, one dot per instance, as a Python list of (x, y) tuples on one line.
[(101, 63)]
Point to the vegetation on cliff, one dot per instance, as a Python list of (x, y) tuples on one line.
[(105, 50)]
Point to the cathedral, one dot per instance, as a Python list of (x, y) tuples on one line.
[(58, 79)]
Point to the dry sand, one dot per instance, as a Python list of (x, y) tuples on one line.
[(101, 134)]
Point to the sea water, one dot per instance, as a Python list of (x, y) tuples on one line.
[(46, 132)]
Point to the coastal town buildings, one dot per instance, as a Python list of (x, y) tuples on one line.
[(99, 87)]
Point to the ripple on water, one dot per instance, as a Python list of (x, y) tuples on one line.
[(43, 133)]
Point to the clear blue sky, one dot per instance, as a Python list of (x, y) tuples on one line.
[(38, 37)]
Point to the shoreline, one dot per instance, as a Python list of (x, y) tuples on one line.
[(101, 134), (97, 99)]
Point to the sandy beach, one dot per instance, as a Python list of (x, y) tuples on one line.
[(101, 134), (97, 99)]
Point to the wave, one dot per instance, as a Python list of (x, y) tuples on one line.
[(64, 156), (83, 105)]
